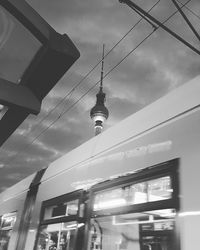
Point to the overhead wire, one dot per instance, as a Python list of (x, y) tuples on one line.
[(76, 85), (77, 101), (69, 94), (93, 68), (93, 86), (128, 54), (186, 7), (155, 28), (71, 91)]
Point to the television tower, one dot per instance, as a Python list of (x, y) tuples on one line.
[(99, 113)]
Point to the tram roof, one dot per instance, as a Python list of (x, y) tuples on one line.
[(179, 101)]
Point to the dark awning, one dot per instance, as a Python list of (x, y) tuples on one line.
[(33, 57)]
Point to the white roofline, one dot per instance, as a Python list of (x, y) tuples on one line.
[(175, 103)]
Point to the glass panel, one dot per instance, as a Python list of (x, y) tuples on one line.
[(17, 47), (138, 192), (60, 236), (109, 199), (160, 189), (151, 230), (153, 190), (72, 207), (63, 209)]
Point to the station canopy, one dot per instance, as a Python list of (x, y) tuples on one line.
[(33, 57)]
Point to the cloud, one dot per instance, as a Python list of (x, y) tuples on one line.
[(156, 67)]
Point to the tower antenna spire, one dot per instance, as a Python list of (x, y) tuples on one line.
[(102, 69)]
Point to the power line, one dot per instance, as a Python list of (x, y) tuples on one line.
[(155, 28), (189, 9), (69, 94), (61, 115), (93, 68), (73, 89), (67, 110)]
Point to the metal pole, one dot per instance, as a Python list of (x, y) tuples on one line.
[(134, 6), (186, 19)]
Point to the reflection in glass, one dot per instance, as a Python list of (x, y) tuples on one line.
[(64, 209), (139, 193), (59, 236), (151, 230), (17, 47), (143, 192), (159, 189)]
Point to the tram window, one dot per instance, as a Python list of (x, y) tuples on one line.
[(160, 189), (142, 192), (149, 230), (59, 236)]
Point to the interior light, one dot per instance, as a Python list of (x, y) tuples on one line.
[(189, 213), (109, 204), (31, 230), (136, 222), (164, 213), (140, 197), (80, 225), (74, 226)]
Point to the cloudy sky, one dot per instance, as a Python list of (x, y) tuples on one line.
[(156, 67)]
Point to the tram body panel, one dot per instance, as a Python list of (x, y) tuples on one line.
[(76, 156), (176, 139), (15, 206), (16, 189)]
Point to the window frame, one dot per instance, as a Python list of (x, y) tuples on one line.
[(168, 168)]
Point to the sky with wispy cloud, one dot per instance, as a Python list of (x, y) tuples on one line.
[(156, 67)]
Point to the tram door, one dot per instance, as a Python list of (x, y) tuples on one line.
[(158, 236), (125, 232)]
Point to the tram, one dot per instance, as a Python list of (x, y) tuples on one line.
[(133, 187)]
